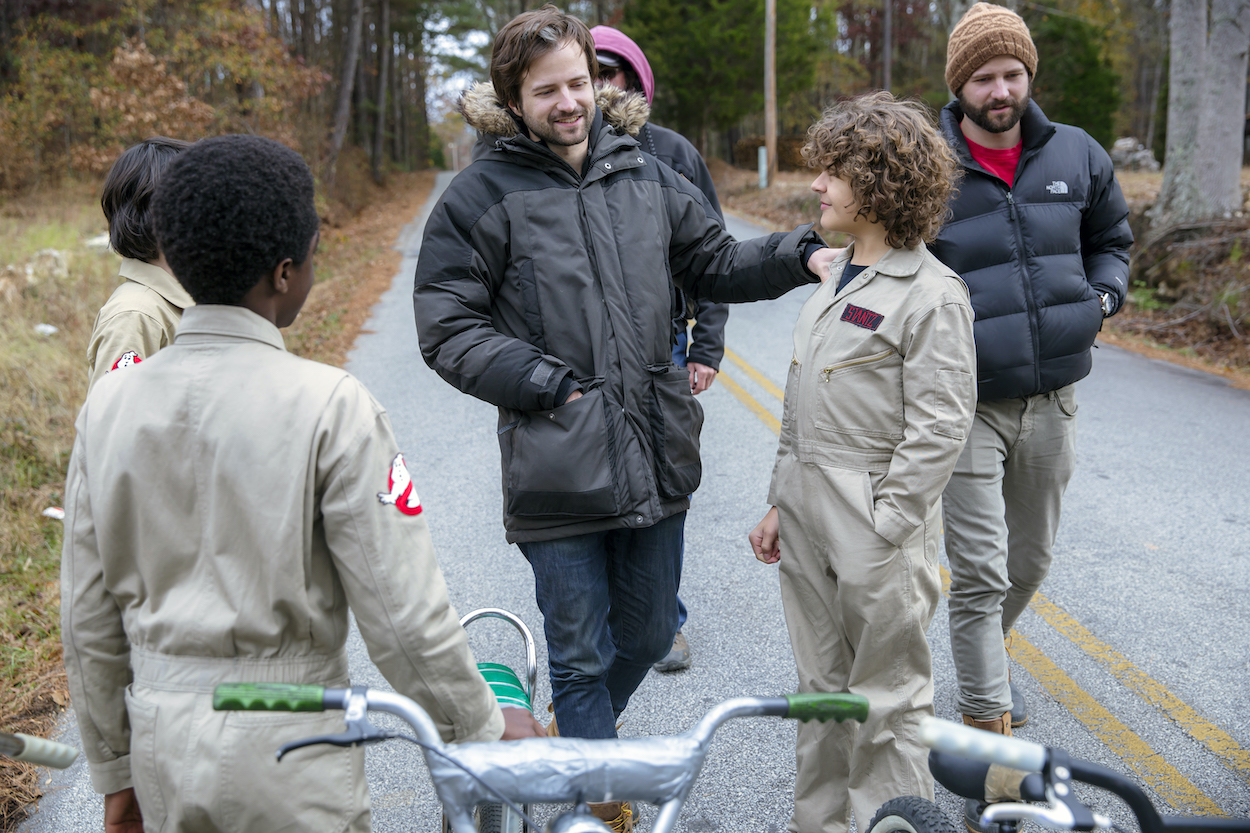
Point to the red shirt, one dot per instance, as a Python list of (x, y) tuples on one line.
[(1001, 163)]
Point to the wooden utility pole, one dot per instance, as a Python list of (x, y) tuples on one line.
[(770, 87)]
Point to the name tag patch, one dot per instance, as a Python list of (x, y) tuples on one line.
[(861, 317)]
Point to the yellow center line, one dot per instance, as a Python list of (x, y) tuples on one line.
[(753, 405), (1151, 767), (759, 378), (1152, 691)]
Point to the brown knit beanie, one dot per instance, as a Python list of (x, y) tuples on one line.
[(984, 33)]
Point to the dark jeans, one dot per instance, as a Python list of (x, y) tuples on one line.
[(609, 605), (679, 359)]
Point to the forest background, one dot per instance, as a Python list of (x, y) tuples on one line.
[(365, 90)]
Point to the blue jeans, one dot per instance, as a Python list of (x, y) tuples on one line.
[(609, 605)]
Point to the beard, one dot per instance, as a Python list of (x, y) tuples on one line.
[(549, 132), (999, 122)]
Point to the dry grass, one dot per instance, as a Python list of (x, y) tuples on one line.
[(44, 379)]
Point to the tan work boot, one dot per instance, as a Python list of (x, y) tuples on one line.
[(553, 731), (973, 809), (1000, 725), (618, 815)]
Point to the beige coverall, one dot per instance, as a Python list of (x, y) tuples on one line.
[(139, 318), (879, 399), (226, 502)]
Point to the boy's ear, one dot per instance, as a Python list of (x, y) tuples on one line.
[(280, 278)]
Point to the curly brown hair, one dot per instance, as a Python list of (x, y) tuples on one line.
[(900, 169)]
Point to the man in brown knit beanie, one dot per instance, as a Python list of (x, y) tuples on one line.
[(1040, 235)]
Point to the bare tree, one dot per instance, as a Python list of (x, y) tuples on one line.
[(1206, 106), (384, 59), (343, 107)]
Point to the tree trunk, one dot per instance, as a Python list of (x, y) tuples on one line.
[(397, 98), (421, 119), (1223, 125), (343, 107), (384, 62), (308, 29), (1179, 197), (1206, 113)]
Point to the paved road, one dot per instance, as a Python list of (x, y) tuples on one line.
[(1137, 657)]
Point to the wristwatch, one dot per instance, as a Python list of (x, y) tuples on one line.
[(1105, 297)]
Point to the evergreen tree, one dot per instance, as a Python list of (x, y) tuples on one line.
[(1075, 83), (708, 57)]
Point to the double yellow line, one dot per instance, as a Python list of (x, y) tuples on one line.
[(1150, 767)]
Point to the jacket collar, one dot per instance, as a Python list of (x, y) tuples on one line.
[(156, 279), (618, 117), (896, 263), (218, 322), (1035, 130)]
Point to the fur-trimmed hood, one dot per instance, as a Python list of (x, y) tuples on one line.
[(484, 112)]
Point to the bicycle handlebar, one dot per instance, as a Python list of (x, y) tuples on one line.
[(35, 750), (283, 697), (1013, 753), (269, 697)]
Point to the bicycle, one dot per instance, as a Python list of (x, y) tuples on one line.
[(964, 759), (658, 770)]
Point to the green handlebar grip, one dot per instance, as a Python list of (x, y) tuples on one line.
[(268, 697), (823, 707)]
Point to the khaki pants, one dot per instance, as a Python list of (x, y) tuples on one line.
[(1001, 510), (857, 609), (196, 770)]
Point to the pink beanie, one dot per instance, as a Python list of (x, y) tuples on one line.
[(617, 42)]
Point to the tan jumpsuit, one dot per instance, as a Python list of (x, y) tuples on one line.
[(226, 503), (877, 407), (139, 318)]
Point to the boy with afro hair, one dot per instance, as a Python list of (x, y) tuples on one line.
[(878, 403), (142, 314), (226, 503)]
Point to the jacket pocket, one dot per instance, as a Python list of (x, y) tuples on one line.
[(561, 463), (676, 420), (862, 396)]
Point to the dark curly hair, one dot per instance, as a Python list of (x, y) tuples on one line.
[(900, 169), (229, 210), (127, 195)]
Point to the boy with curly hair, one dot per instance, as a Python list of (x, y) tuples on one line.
[(227, 502), (878, 403)]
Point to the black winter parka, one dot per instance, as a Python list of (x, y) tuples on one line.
[(530, 273), (1036, 255)]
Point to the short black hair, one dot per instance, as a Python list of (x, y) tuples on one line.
[(127, 195), (229, 210)]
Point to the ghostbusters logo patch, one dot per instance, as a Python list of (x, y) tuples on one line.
[(128, 359), (399, 491)]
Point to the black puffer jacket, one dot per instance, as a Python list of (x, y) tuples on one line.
[(708, 334), (1037, 255), (530, 273)]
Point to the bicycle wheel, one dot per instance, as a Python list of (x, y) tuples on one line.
[(910, 814), (492, 817)]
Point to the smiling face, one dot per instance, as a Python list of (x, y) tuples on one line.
[(994, 99), (558, 101)]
